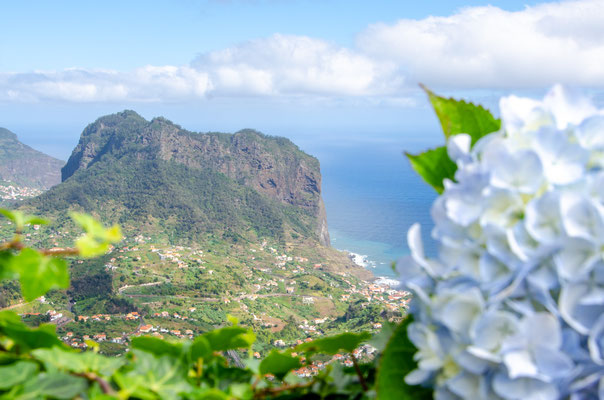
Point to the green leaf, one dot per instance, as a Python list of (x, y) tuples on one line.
[(201, 348), (68, 360), (229, 338), (278, 364), (157, 346), (88, 223), (396, 362), (211, 394), (38, 274), (6, 268), (331, 345), (381, 339), (163, 376), (96, 240), (458, 116), (23, 336), (91, 247), (56, 385), (434, 166), (8, 214), (21, 219), (16, 373), (32, 220)]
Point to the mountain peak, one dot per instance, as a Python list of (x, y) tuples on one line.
[(25, 166), (276, 170)]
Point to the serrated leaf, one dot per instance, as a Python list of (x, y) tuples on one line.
[(25, 337), (210, 394), (113, 234), (88, 223), (8, 214), (68, 360), (96, 240), (157, 346), (459, 116), (201, 348), (32, 220), (90, 247), (229, 338), (6, 268), (38, 274), (21, 219), (278, 364), (433, 166), (344, 342), (163, 376), (56, 385), (396, 362), (16, 373)]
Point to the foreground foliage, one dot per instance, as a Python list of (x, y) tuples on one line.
[(513, 306), (218, 364)]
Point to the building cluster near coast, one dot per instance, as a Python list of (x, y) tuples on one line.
[(11, 191)]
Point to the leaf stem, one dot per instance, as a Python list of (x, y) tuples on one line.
[(359, 373), (91, 376), (16, 244)]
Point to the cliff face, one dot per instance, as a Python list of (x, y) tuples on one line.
[(272, 166), (25, 166)]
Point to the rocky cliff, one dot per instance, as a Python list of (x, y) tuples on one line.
[(25, 166), (272, 170)]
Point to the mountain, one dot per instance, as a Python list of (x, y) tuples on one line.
[(154, 176), (25, 166)]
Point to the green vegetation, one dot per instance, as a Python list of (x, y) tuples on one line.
[(217, 364), (23, 166)]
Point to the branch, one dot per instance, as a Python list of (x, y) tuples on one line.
[(276, 390), (16, 244), (359, 373), (91, 376)]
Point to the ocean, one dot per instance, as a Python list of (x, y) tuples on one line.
[(372, 197)]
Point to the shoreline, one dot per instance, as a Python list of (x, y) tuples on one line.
[(363, 261)]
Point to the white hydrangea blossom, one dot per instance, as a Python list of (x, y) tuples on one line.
[(513, 307)]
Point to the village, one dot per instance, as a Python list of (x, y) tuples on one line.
[(11, 191), (265, 286)]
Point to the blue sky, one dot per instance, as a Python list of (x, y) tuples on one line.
[(332, 70), (127, 34)]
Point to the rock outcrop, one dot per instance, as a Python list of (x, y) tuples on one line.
[(273, 167), (25, 166)]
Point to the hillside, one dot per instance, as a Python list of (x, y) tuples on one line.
[(157, 178), (26, 167)]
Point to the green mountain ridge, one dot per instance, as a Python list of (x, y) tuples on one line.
[(25, 166), (154, 176)]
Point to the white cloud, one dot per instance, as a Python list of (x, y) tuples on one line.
[(478, 47), (486, 47), (294, 65), (149, 83), (279, 65)]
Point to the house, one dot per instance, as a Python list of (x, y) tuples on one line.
[(100, 337), (145, 328)]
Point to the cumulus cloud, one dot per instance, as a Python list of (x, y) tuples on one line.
[(477, 47), (291, 65), (486, 47)]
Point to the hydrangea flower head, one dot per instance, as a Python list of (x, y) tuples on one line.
[(513, 305)]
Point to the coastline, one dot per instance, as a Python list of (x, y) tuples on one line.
[(363, 261)]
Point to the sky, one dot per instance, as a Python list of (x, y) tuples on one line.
[(330, 70)]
